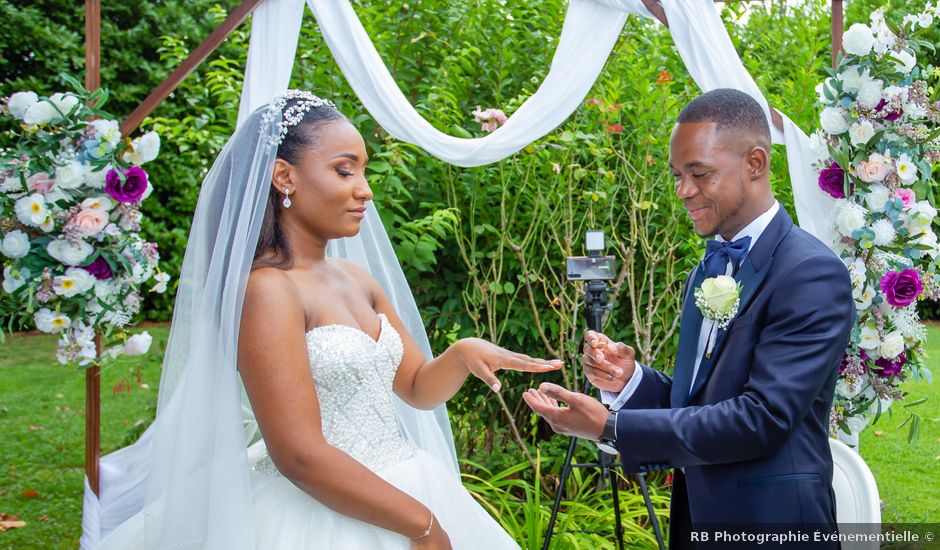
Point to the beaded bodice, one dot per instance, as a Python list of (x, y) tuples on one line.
[(353, 375)]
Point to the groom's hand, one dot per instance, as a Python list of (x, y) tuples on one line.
[(607, 364), (583, 417)]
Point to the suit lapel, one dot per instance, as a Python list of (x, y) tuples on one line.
[(689, 328), (751, 275)]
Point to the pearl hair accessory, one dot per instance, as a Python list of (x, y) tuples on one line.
[(292, 116)]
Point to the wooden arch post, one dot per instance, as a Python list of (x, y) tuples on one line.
[(234, 19)]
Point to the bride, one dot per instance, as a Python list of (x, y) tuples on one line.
[(329, 352)]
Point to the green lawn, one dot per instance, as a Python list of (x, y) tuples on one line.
[(42, 443)]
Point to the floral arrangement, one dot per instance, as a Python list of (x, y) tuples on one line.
[(70, 195), (490, 119), (874, 155)]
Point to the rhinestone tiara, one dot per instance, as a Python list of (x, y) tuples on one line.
[(293, 114)]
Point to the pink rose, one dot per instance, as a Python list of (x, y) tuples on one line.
[(41, 182), (90, 221), (874, 170), (907, 196)]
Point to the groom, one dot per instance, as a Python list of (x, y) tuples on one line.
[(744, 419)]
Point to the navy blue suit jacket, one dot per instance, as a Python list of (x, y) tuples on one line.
[(752, 433)]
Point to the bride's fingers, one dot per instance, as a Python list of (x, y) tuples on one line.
[(484, 373), (532, 364)]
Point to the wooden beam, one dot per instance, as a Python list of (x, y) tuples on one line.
[(93, 374), (837, 27), (196, 57)]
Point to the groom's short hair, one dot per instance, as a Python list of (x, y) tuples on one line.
[(733, 111)]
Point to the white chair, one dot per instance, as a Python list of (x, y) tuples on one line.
[(855, 489)]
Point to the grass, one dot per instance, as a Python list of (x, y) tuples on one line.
[(906, 473), (42, 422)]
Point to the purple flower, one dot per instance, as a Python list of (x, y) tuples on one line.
[(893, 115), (901, 289), (135, 184), (832, 181), (99, 268), (888, 367), (862, 358)]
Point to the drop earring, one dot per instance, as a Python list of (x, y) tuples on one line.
[(286, 202)]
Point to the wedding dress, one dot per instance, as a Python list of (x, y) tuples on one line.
[(353, 375)]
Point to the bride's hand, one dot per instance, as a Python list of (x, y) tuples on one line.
[(437, 539), (483, 359)]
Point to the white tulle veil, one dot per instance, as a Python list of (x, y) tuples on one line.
[(185, 483)]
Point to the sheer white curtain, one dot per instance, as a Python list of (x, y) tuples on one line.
[(589, 33)]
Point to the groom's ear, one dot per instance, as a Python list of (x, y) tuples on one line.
[(281, 178), (758, 162)]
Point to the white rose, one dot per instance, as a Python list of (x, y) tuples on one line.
[(892, 346), (107, 130), (64, 102), (15, 244), (884, 232), (41, 112), (905, 61), (31, 210), (929, 239), (143, 149), (14, 279), (878, 195), (20, 102), (70, 175), (869, 338), (94, 178), (720, 294), (138, 344), (51, 322), (858, 40), (849, 217), (67, 254), (162, 279), (833, 120), (869, 94), (861, 132), (906, 169)]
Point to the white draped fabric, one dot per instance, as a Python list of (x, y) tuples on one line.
[(590, 31)]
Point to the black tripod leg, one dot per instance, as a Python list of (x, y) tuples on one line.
[(649, 509), (615, 495), (565, 471)]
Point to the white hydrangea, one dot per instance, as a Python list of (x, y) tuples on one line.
[(858, 40), (70, 175), (884, 232), (94, 178), (853, 78), (107, 130), (869, 93)]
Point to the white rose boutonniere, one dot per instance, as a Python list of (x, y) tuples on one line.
[(718, 299)]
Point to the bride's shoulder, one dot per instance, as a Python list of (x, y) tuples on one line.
[(270, 284)]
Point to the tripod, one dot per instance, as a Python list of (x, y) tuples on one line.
[(595, 302)]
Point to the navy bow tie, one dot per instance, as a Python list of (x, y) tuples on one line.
[(719, 253)]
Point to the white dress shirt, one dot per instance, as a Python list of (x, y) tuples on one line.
[(753, 230)]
